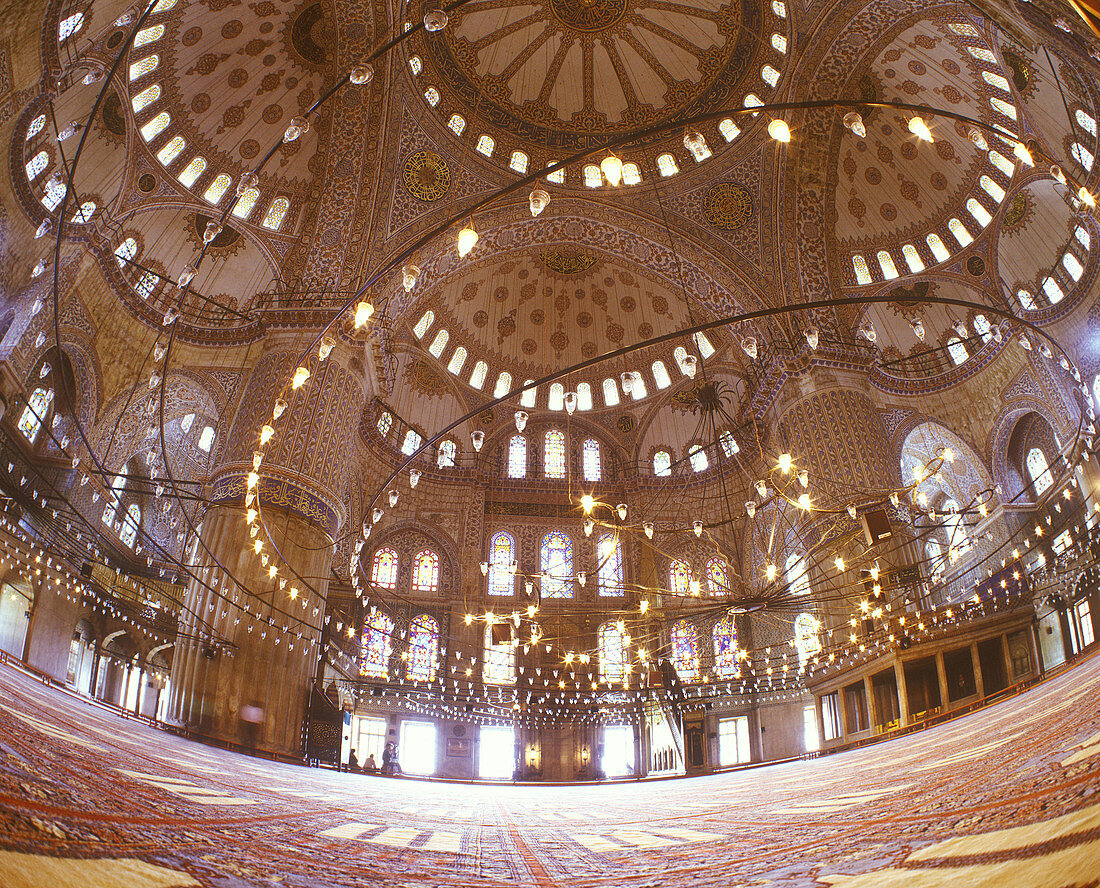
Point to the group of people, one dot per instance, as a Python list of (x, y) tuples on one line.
[(390, 764)]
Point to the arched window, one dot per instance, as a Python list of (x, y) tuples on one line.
[(806, 639), (960, 232), (934, 554), (432, 95), (1071, 265), (660, 375), (1039, 470), (609, 567), (383, 572), (502, 552), (118, 484), (518, 162), (685, 651), (242, 209), (147, 64), (485, 145), (423, 324), (37, 164), (477, 378), (698, 458), (86, 210), (730, 447), (171, 150), (1082, 235), (610, 392), (996, 80), (982, 327), (992, 188), (504, 385), (717, 580), (1026, 300), (666, 164), (980, 213), (957, 350), (703, 344), (725, 648), (556, 564), (558, 176), (415, 64), (412, 443), (148, 35), (527, 399), (859, 265), (276, 212), (729, 129), (612, 653), (584, 396), (36, 127), (130, 526), (457, 360), (192, 171), (935, 244), (1003, 107), (679, 577), (680, 355), (500, 660), (631, 174), (779, 43), (70, 26), (385, 423), (517, 457), (797, 574), (457, 123), (156, 126), (1086, 121), (591, 460), (886, 263), (593, 178), (556, 401), (445, 459), (54, 193), (35, 413), (958, 541), (374, 659), (1082, 155), (662, 464), (426, 572), (217, 189), (1002, 163), (146, 285), (1053, 291), (423, 649)]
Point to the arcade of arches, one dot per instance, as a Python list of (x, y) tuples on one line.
[(567, 394)]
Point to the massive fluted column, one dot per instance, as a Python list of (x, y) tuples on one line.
[(231, 655)]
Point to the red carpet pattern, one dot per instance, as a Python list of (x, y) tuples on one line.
[(1006, 796)]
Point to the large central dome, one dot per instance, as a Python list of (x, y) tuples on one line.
[(559, 72)]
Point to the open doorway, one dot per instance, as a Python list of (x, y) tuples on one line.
[(417, 753), (496, 753), (618, 751)]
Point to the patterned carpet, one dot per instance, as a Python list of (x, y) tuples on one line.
[(1005, 797)]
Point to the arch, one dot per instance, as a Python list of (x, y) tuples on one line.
[(502, 554), (612, 652), (609, 565), (685, 650), (556, 565), (423, 652), (724, 636), (383, 573), (1014, 428), (374, 660), (679, 577), (425, 574), (500, 658)]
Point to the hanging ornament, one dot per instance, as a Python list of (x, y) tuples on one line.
[(478, 438), (521, 420)]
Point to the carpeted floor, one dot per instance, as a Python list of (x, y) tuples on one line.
[(1009, 796)]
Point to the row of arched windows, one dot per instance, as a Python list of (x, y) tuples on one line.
[(554, 457), (1067, 271), (682, 582), (727, 447), (421, 654), (556, 565), (425, 570)]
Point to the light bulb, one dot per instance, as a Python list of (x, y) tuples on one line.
[(1086, 197), (278, 409), (484, 568), (187, 275), (587, 503), (248, 180), (467, 240), (257, 459), (324, 349), (769, 572), (920, 129), (478, 438), (621, 510), (1057, 174), (749, 345), (804, 478), (361, 74), (539, 201), (1022, 154), (363, 311), (750, 508), (570, 402), (394, 495), (779, 130), (521, 420), (170, 317), (785, 462), (435, 20), (761, 489), (690, 365), (851, 511), (410, 274), (1025, 343), (252, 480), (612, 169), (838, 563), (647, 526), (300, 377), (589, 524), (894, 501), (697, 145), (298, 127), (854, 123), (868, 332), (377, 514), (414, 477), (804, 502), (813, 337), (627, 380), (978, 139), (697, 526)]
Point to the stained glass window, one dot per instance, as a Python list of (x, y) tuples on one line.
[(242, 209), (679, 577), (412, 443), (805, 637), (1002, 163), (518, 162), (886, 263), (610, 392), (730, 447), (1070, 263), (556, 401), (206, 439), (685, 651), (1026, 299), (130, 526), (147, 64), (558, 176), (1053, 291), (126, 251), (666, 164), (662, 464), (591, 455), (584, 396), (54, 194), (863, 273), (631, 174), (500, 660), (155, 126), (779, 8), (992, 188), (1086, 121), (423, 647), (660, 375), (415, 64), (912, 258), (517, 457), (377, 646), (86, 210), (171, 150), (457, 123), (980, 213), (770, 75), (383, 572), (1038, 468), (937, 247), (69, 26), (432, 95), (995, 80), (1082, 235), (705, 348), (425, 572), (1003, 107), (146, 285), (477, 378), (1082, 155), (423, 324), (960, 232), (725, 648), (527, 399), (273, 219), (717, 581), (146, 97), (556, 564), (612, 652), (445, 459), (217, 189), (982, 327), (485, 145), (37, 164), (779, 42), (609, 555), (502, 552), (957, 350), (503, 386), (457, 360), (593, 178), (752, 100), (36, 126), (385, 423), (729, 129), (148, 35), (698, 458), (797, 574), (439, 343), (35, 413)]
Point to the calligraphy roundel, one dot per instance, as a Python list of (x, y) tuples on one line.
[(727, 206), (426, 175)]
